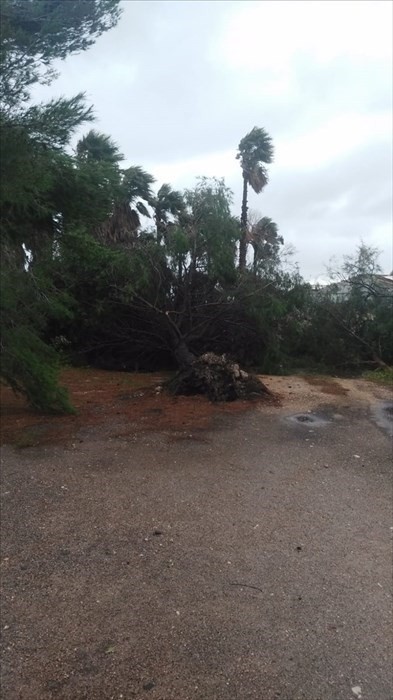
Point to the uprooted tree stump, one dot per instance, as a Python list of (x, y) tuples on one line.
[(218, 378)]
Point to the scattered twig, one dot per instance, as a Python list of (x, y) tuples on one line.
[(246, 585)]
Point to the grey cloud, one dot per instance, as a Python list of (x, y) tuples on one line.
[(162, 98), (157, 92), (304, 205), (363, 178)]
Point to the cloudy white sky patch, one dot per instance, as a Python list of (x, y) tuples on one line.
[(177, 85)]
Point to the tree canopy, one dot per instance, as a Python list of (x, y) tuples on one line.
[(34, 33)]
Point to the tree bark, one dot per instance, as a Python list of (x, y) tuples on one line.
[(158, 228), (243, 224), (184, 357)]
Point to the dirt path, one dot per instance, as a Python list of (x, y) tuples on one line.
[(231, 554)]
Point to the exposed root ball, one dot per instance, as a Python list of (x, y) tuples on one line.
[(218, 378)]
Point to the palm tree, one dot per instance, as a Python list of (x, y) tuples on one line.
[(131, 188), (99, 148), (264, 239), (167, 201), (255, 149), (123, 223)]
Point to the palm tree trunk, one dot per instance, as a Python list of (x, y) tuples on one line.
[(159, 236), (243, 224), (255, 261)]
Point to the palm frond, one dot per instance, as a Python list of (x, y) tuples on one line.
[(98, 147), (258, 178), (137, 183), (169, 199), (255, 148)]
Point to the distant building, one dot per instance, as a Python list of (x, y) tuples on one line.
[(372, 285)]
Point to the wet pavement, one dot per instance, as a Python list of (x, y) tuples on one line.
[(382, 413), (251, 561)]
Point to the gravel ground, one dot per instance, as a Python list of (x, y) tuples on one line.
[(247, 561)]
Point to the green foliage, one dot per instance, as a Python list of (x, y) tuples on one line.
[(130, 302), (36, 32), (255, 149), (274, 300), (28, 364), (178, 243), (41, 183), (31, 368), (116, 296), (266, 242), (167, 202), (136, 182), (211, 228), (98, 148), (349, 323), (52, 124), (380, 376)]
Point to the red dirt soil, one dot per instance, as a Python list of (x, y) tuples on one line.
[(326, 385), (129, 400)]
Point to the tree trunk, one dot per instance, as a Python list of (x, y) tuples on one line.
[(184, 357), (158, 227), (255, 260), (243, 224)]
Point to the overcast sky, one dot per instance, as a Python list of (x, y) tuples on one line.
[(177, 84)]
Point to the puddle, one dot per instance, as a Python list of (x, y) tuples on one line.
[(307, 419), (382, 414)]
